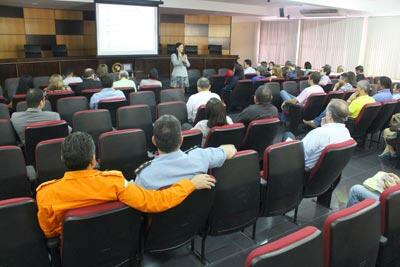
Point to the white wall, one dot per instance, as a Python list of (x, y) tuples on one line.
[(245, 37)]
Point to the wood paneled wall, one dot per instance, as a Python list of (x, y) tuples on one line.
[(77, 30)]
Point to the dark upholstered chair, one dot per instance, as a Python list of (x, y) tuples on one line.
[(381, 120), (156, 89), (23, 106), (227, 134), (351, 235), (16, 99), (88, 93), (126, 90), (358, 127), (144, 98), (191, 139), (21, 241), (283, 190), (348, 93), (291, 87), (332, 95), (101, 235), (170, 95), (67, 107), (53, 96), (41, 131), (303, 85), (175, 108), (209, 73), (8, 137), (217, 83), (112, 105), (241, 95), (302, 248), (14, 179), (275, 88), (4, 112), (123, 150)]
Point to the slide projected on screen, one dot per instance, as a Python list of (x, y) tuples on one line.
[(126, 30)]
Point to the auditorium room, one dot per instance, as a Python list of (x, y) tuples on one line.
[(185, 133)]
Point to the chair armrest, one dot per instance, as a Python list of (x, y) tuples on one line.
[(30, 170), (53, 245), (53, 242), (383, 241)]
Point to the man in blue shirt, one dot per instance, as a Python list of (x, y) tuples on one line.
[(172, 164), (107, 92), (384, 89)]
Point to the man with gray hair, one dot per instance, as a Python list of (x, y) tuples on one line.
[(124, 81), (201, 98)]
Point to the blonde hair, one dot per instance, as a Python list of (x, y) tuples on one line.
[(102, 70), (340, 69), (56, 83), (277, 71)]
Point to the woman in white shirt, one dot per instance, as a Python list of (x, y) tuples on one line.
[(179, 76), (216, 116), (152, 79)]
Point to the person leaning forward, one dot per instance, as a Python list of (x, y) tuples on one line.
[(82, 185)]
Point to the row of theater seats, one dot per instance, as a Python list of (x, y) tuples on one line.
[(230, 207)]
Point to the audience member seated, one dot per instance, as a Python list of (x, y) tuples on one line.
[(384, 89), (390, 137), (262, 73), (124, 81), (201, 98), (396, 91), (307, 68), (108, 92), (263, 67), (276, 72), (360, 73), (372, 187), (289, 71), (352, 78), (271, 65), (340, 69), (231, 81), (172, 164), (301, 99), (356, 102), (248, 69), (215, 116), (299, 72), (102, 70), (261, 109), (24, 84), (332, 131), (152, 79), (89, 81), (343, 84), (71, 78), (56, 83), (35, 100), (325, 71), (82, 185)]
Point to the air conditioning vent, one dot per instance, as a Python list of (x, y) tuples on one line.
[(329, 12)]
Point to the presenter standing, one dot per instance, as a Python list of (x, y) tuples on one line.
[(180, 62)]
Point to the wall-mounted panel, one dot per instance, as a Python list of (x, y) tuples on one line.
[(11, 12), (69, 27), (72, 42), (219, 31), (89, 27), (12, 43), (225, 42), (225, 20), (172, 29), (68, 14), (46, 41), (196, 30), (89, 42), (12, 25), (40, 26), (166, 18), (196, 19), (89, 15), (38, 13), (201, 42)]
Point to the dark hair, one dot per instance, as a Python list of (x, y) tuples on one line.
[(153, 74), (68, 71), (24, 84), (239, 72), (271, 62), (360, 68), (263, 71), (352, 78), (263, 94), (177, 45), (215, 113), (386, 82), (107, 81), (307, 65), (248, 62), (34, 97), (88, 73), (167, 133), (345, 76), (77, 151), (327, 69), (315, 77)]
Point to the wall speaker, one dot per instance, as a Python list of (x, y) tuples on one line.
[(281, 12)]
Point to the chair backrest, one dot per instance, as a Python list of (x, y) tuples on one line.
[(193, 75), (23, 106), (209, 72), (348, 93), (275, 88), (200, 115), (94, 122), (302, 248), (303, 85), (156, 89), (174, 228), (88, 93), (4, 112), (7, 134), (314, 106), (59, 50), (227, 134), (21, 241), (123, 150), (126, 90), (222, 71), (53, 97), (237, 201), (16, 99), (13, 179), (191, 138), (41, 131), (291, 87), (101, 235), (250, 75), (329, 167), (112, 105), (144, 98), (49, 164), (332, 95), (169, 95), (285, 182), (365, 118), (41, 82), (10, 86), (67, 107), (260, 134), (354, 227), (258, 83), (175, 108), (241, 95), (217, 83), (383, 117)]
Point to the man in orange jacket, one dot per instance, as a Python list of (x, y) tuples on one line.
[(82, 185)]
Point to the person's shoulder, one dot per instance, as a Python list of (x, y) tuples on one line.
[(44, 189), (116, 174), (215, 95), (17, 115)]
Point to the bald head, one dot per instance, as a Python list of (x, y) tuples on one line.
[(338, 110), (203, 84), (88, 73)]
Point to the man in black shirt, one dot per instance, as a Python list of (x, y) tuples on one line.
[(261, 109), (89, 82)]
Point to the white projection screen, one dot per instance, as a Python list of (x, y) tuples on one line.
[(126, 29)]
